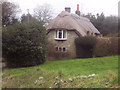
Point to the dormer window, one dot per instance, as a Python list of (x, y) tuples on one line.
[(61, 35)]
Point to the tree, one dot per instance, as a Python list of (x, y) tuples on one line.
[(24, 44), (43, 13), (98, 20), (106, 25), (27, 18), (110, 25), (9, 12)]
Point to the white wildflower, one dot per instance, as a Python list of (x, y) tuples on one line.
[(49, 87), (36, 81), (83, 76), (55, 83), (40, 77), (89, 75), (93, 75), (56, 78), (70, 79)]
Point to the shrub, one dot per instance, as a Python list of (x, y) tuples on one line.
[(106, 47), (114, 46), (24, 44), (84, 46), (101, 48)]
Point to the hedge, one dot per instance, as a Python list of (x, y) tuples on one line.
[(84, 46), (106, 47)]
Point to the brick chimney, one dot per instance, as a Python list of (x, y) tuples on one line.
[(67, 9), (77, 11)]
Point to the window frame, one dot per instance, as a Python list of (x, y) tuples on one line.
[(57, 49), (57, 34)]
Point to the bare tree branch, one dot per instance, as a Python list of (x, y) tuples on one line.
[(43, 13), (9, 11)]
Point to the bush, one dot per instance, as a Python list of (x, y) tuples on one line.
[(106, 47), (84, 46), (101, 48), (114, 46), (24, 44)]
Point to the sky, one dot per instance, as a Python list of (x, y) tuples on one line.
[(108, 7)]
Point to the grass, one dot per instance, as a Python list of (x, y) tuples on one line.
[(72, 73)]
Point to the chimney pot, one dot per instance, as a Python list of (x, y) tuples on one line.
[(77, 7)]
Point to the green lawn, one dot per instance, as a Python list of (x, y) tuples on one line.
[(74, 73)]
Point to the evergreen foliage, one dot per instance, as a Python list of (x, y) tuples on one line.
[(24, 44)]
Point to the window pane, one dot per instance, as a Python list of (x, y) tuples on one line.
[(56, 48), (60, 49), (56, 34), (60, 33), (64, 49), (64, 33)]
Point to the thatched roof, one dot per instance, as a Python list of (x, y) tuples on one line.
[(69, 21)]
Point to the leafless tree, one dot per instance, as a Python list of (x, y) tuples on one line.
[(43, 13), (9, 12)]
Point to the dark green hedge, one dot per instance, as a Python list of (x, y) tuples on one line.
[(24, 44), (84, 46)]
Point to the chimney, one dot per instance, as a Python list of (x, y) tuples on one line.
[(77, 11), (67, 9)]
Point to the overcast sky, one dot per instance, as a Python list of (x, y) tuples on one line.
[(108, 7)]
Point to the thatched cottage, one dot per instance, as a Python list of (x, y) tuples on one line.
[(64, 29)]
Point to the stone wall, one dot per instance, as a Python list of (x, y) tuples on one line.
[(68, 44)]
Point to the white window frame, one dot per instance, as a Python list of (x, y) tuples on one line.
[(58, 50), (57, 36)]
